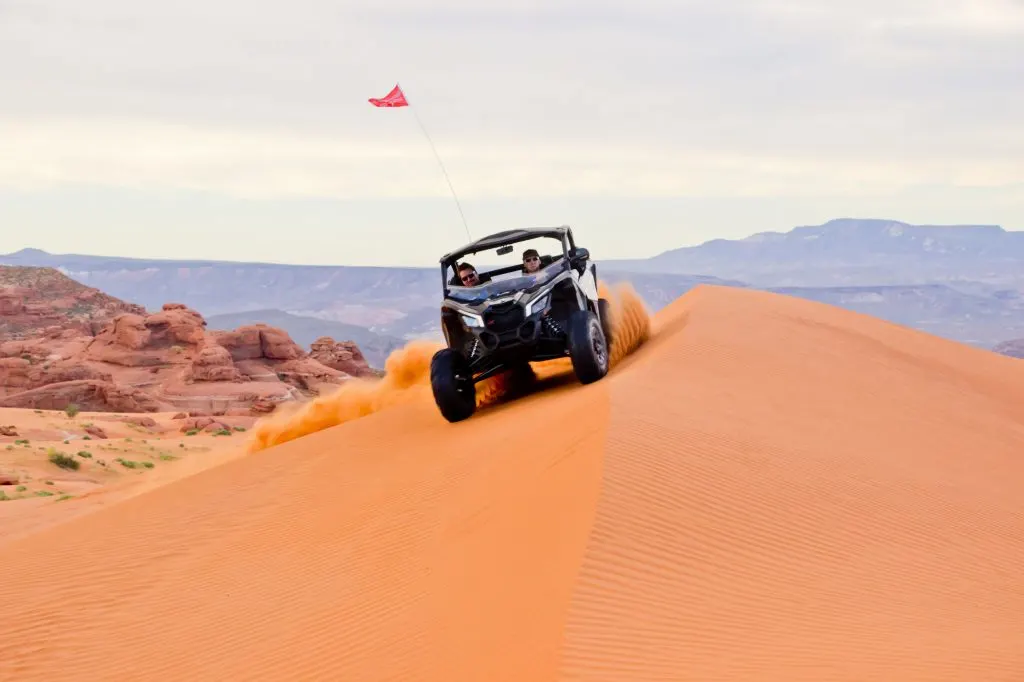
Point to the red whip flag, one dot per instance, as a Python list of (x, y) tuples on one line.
[(395, 98)]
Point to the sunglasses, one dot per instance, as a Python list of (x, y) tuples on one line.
[(530, 259)]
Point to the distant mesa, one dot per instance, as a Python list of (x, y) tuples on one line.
[(960, 282), (1014, 348)]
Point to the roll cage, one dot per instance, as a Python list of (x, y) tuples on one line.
[(449, 262)]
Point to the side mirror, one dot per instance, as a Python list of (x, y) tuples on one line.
[(579, 254), (578, 258)]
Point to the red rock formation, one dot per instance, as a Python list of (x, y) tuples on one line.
[(256, 341), (95, 431), (213, 363), (167, 337), (33, 299), (66, 343), (89, 396), (343, 356)]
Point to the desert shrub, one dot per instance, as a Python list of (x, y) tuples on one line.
[(63, 461)]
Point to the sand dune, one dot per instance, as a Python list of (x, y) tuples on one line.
[(767, 489)]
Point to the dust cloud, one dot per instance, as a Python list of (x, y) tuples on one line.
[(407, 379)]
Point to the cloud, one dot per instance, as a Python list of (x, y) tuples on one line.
[(248, 164), (525, 98)]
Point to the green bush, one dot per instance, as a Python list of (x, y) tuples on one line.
[(63, 461)]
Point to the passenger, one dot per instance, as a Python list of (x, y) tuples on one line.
[(531, 261)]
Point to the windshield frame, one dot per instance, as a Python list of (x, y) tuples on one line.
[(482, 292)]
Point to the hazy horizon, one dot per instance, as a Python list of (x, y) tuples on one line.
[(241, 132)]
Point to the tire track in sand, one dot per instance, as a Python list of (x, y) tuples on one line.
[(397, 546)]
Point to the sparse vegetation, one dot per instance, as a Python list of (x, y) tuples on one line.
[(71, 410), (62, 460), (85, 454)]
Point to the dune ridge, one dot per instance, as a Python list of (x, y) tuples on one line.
[(767, 489), (407, 378), (815, 495)]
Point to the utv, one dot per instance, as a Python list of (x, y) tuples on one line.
[(503, 323)]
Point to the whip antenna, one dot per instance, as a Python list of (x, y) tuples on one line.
[(396, 98)]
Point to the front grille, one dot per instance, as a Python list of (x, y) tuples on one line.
[(503, 317)]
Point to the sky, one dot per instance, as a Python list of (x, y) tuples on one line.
[(241, 130)]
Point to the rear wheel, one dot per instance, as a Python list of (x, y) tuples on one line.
[(588, 348), (452, 384)]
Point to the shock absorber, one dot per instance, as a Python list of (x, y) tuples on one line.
[(552, 327)]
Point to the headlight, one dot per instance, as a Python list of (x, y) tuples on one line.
[(538, 303), (471, 320)]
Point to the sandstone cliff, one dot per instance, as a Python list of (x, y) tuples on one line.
[(62, 343)]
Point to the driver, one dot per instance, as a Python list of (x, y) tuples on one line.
[(469, 277), (531, 261)]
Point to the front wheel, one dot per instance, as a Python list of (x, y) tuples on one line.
[(452, 384), (588, 347)]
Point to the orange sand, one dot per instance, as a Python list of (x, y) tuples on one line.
[(768, 489), (46, 494)]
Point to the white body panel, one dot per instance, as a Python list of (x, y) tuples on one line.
[(588, 284)]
